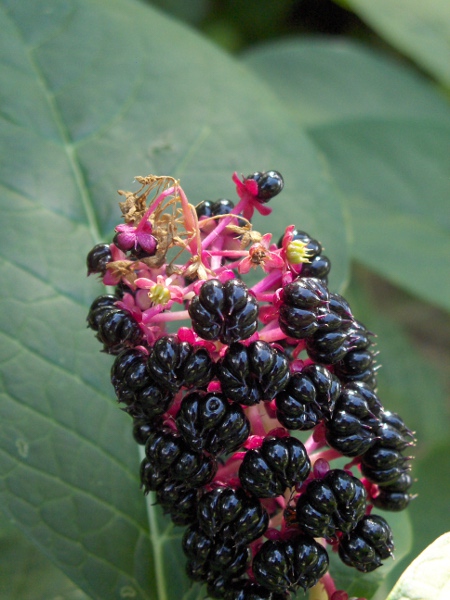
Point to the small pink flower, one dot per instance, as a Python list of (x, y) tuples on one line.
[(262, 254), (248, 190), (161, 291), (141, 236)]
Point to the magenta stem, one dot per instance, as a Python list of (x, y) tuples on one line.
[(209, 239), (272, 278), (178, 315), (272, 335), (327, 455), (229, 469), (328, 583), (311, 445), (255, 417), (154, 205)]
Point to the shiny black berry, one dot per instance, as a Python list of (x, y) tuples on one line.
[(318, 267), (169, 459), (117, 330), (207, 421), (282, 566), (174, 364), (278, 464), (249, 374), (394, 496), (179, 501), (98, 258), (232, 514), (367, 545), (299, 310), (309, 397), (383, 465), (270, 184), (227, 312), (204, 209), (99, 308), (335, 503), (353, 427)]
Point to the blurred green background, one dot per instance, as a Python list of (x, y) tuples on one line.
[(399, 290)]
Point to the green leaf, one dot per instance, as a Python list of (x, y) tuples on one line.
[(429, 512), (324, 81), (27, 574), (94, 93), (421, 30), (389, 157), (395, 177), (428, 577)]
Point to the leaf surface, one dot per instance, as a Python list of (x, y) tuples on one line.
[(322, 80), (428, 577), (95, 93), (421, 30), (390, 158)]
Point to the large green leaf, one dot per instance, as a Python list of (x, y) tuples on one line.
[(324, 80), (428, 577), (94, 93), (28, 575), (390, 157), (395, 176), (419, 29)]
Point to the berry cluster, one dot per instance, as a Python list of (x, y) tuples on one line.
[(221, 379)]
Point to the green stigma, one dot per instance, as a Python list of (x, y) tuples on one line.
[(159, 294), (297, 253)]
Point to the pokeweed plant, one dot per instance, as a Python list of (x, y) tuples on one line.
[(95, 92), (216, 403)]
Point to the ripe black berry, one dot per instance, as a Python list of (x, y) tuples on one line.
[(179, 501), (270, 184), (254, 373), (169, 459), (207, 421), (224, 311), (174, 364), (394, 496), (232, 514), (309, 396), (368, 544), (317, 267), (382, 465), (353, 427), (117, 330), (99, 308), (301, 300), (282, 566), (335, 503), (98, 258), (278, 464)]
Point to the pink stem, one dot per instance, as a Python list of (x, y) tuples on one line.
[(268, 297), (272, 278), (328, 583), (273, 335), (327, 455), (154, 205), (178, 315), (311, 445), (254, 416), (223, 223), (230, 468)]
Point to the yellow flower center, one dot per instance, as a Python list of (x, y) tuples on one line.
[(297, 253), (159, 294)]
